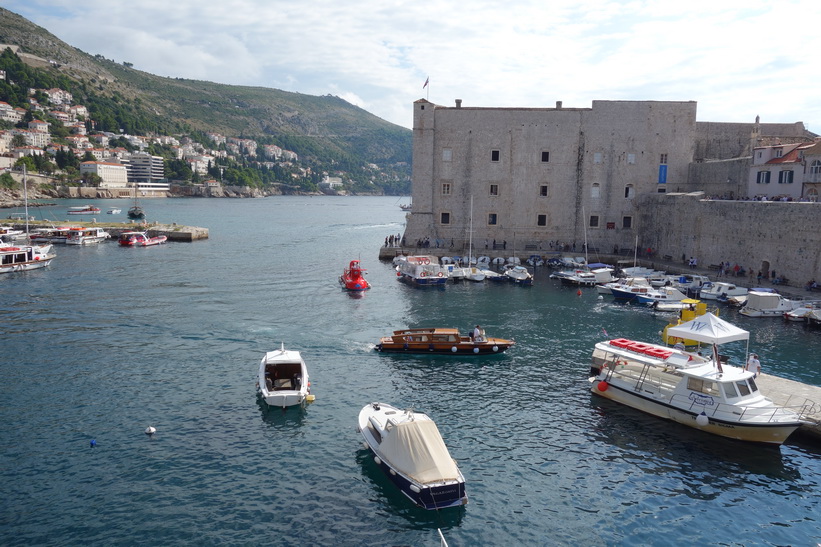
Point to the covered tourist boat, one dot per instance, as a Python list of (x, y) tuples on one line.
[(705, 393), (353, 277), (443, 341), (283, 378), (83, 210), (409, 449), (139, 239), (20, 258), (50, 235), (422, 270)]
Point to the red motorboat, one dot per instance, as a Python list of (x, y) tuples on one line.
[(353, 277)]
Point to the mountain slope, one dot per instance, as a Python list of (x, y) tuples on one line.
[(330, 122)]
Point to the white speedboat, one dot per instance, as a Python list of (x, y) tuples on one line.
[(408, 447), (283, 378), (705, 393), (767, 304), (720, 290), (492, 275), (20, 258), (421, 270), (86, 236), (519, 275), (802, 312), (114, 211)]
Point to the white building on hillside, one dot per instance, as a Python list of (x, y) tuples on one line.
[(786, 171), (113, 175)]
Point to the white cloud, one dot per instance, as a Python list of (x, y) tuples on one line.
[(736, 59)]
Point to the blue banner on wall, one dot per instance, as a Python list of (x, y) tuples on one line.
[(662, 174)]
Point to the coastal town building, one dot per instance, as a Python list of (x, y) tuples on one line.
[(112, 175), (786, 172), (144, 168)]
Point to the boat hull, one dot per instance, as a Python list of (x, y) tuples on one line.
[(25, 258), (492, 347), (775, 433)]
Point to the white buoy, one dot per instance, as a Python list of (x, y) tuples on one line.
[(600, 297), (702, 419), (150, 430)]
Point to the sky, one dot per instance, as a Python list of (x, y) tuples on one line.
[(736, 59)]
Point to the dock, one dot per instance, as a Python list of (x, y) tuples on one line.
[(173, 231), (795, 395)]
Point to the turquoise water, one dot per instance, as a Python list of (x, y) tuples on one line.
[(109, 340)]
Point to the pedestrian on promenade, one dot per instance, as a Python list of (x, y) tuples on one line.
[(753, 365)]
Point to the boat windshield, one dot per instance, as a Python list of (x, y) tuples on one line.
[(703, 386)]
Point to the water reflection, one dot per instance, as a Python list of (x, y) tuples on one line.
[(392, 501), (664, 447), (282, 418)]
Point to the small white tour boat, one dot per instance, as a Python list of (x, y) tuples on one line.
[(409, 449), (660, 295), (86, 236), (20, 258), (83, 210), (802, 313), (283, 378), (720, 290), (50, 235), (705, 393), (114, 211)]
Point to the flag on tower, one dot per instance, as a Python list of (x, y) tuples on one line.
[(426, 82)]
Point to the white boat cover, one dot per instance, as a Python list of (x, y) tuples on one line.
[(416, 449), (710, 329)]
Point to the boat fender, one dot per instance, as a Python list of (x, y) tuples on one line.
[(602, 386), (453, 349), (475, 350), (393, 472), (377, 460), (495, 349), (702, 419), (414, 488)]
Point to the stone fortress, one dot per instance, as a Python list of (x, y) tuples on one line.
[(621, 175)]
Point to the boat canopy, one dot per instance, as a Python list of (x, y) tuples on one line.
[(416, 449), (710, 329)]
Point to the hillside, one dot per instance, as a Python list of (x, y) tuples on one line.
[(325, 131)]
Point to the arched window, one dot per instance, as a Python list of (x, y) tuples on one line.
[(812, 194)]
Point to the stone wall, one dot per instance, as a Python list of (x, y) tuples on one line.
[(763, 236)]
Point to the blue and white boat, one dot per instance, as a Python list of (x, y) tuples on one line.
[(408, 447)]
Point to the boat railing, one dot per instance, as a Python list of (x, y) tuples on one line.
[(739, 413)]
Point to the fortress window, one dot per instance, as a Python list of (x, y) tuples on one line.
[(491, 219), (631, 159), (494, 189), (595, 190), (627, 222), (445, 188), (594, 221), (545, 156), (445, 218), (629, 192), (597, 157), (543, 190), (663, 159), (494, 155), (541, 220), (447, 154)]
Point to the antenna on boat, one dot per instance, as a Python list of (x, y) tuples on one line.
[(282, 346)]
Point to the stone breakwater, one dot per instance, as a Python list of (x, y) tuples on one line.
[(173, 231)]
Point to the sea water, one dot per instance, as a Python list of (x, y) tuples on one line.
[(108, 341)]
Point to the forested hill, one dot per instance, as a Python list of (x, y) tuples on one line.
[(327, 132)]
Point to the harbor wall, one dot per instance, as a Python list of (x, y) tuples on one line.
[(762, 236)]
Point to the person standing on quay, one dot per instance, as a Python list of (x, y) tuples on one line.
[(753, 365)]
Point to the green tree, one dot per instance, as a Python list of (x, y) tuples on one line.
[(7, 181), (92, 179), (28, 162)]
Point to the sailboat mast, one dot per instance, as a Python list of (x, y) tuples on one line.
[(470, 235), (26, 197)]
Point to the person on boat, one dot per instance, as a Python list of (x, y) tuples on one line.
[(477, 334), (753, 365)]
